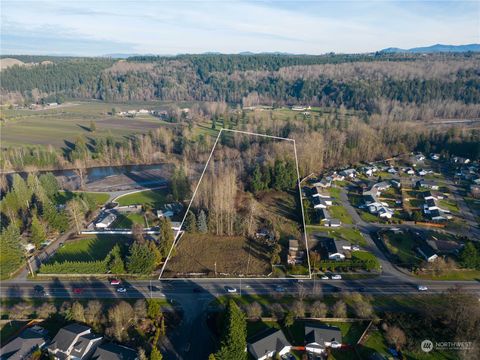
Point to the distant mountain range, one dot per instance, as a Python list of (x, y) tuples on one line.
[(435, 49)]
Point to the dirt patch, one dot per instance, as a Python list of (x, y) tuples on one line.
[(197, 254)]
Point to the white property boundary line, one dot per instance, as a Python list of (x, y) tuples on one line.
[(195, 192)]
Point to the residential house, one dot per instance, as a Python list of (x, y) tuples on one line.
[(321, 203), (350, 173), (105, 220), (422, 172), (392, 171), (337, 177), (385, 212), (110, 351), (410, 171), (327, 220), (74, 342), (327, 248), (427, 184), (294, 255), (320, 337), (268, 345), (419, 157), (300, 108), (24, 344), (427, 252), (325, 182), (396, 183)]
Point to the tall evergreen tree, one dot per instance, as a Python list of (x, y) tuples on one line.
[(234, 340), (141, 260), (166, 237), (191, 222), (12, 252), (37, 231), (202, 223)]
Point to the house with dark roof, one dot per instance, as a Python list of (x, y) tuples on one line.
[(110, 351), (74, 341), (327, 248), (24, 344), (319, 337), (427, 252), (269, 344)]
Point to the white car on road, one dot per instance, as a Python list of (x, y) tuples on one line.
[(337, 277), (324, 277), (121, 290), (230, 289), (422, 288)]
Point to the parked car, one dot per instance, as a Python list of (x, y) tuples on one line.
[(230, 289), (324, 277), (422, 288), (337, 277), (121, 290), (115, 282)]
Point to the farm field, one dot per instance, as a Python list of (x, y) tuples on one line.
[(152, 198), (60, 126), (89, 249)]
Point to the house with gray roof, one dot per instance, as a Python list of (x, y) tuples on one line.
[(268, 345), (319, 337), (111, 351), (75, 342), (24, 344)]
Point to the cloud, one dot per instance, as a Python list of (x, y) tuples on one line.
[(168, 27)]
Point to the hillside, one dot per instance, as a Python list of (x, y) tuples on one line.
[(438, 48), (9, 62)]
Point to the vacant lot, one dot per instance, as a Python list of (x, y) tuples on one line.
[(152, 198), (232, 255), (89, 249)]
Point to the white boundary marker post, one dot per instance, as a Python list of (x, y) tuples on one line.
[(198, 185)]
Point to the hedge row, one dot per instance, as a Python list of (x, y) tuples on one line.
[(75, 267)]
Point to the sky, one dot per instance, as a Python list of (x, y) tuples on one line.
[(95, 28)]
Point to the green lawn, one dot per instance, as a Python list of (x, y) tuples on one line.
[(403, 246), (366, 216), (64, 196), (152, 198), (351, 235), (126, 221), (340, 213), (448, 205), (376, 343), (461, 274), (88, 249), (335, 192), (365, 256)]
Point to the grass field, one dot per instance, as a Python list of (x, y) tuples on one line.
[(152, 198), (454, 275), (88, 249), (64, 196), (233, 255), (126, 221), (376, 343), (448, 205), (403, 246), (55, 126), (365, 255), (340, 213)]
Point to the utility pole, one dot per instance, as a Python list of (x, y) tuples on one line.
[(215, 268)]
